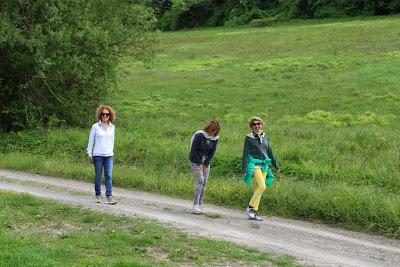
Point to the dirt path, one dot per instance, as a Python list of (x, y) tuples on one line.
[(311, 244)]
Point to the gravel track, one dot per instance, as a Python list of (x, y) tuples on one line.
[(311, 244)]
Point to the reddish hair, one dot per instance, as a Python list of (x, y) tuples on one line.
[(212, 125)]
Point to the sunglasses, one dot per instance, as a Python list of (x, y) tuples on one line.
[(256, 123), (105, 114)]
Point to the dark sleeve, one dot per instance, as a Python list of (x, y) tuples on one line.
[(207, 161), (245, 155), (271, 156), (193, 148)]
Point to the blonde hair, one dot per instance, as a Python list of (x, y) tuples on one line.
[(100, 109), (211, 125), (252, 119)]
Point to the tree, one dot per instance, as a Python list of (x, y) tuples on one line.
[(58, 58)]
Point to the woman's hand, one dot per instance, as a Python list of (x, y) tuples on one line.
[(277, 171), (203, 168), (90, 159)]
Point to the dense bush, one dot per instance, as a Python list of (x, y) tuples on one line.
[(178, 14), (326, 8), (58, 57), (262, 22)]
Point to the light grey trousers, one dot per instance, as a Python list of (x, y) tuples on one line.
[(200, 182)]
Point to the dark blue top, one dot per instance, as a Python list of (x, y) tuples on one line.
[(202, 149)]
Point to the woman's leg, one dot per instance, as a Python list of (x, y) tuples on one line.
[(198, 182), (98, 169), (259, 178), (108, 166), (206, 172)]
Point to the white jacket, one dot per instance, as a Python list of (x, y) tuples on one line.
[(101, 140)]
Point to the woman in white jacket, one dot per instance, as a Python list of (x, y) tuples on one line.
[(101, 151)]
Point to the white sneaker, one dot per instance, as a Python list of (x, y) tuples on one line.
[(98, 199), (257, 218), (110, 201), (251, 213), (196, 209), (203, 210)]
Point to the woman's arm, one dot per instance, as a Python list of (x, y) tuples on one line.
[(208, 159), (271, 156), (193, 149), (245, 154), (91, 141)]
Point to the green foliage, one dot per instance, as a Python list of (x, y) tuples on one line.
[(243, 12), (193, 13), (262, 22), (58, 58), (186, 14), (341, 120), (339, 8), (58, 143)]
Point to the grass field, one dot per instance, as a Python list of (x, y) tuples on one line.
[(37, 232), (328, 90)]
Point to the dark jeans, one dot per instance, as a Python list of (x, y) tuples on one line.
[(100, 163)]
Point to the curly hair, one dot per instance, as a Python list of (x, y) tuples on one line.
[(100, 109)]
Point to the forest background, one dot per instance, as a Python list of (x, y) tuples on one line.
[(326, 84)]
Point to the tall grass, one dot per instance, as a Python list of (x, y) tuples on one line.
[(328, 91)]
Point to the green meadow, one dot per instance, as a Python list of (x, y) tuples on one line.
[(328, 91), (37, 232)]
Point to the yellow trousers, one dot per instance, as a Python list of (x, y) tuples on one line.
[(259, 179)]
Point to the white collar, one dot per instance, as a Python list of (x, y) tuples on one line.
[(206, 135), (109, 124)]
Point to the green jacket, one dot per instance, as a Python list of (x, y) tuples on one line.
[(257, 151)]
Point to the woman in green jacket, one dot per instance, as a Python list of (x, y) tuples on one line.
[(257, 156)]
